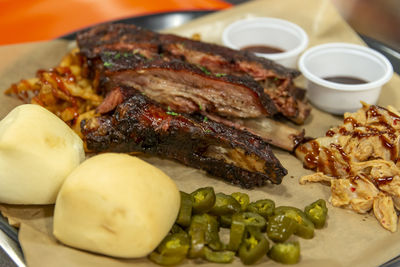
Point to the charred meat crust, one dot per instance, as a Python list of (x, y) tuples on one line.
[(92, 41), (271, 131), (129, 37), (231, 56), (141, 125)]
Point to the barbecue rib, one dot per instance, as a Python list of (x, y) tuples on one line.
[(185, 87), (140, 124), (276, 79)]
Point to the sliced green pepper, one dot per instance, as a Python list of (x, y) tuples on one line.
[(236, 234), (280, 227), (197, 232), (172, 250), (251, 219), (287, 253), (212, 233), (317, 213), (203, 199), (219, 256), (304, 227), (242, 198), (203, 231), (264, 207), (253, 247), (225, 221), (174, 244), (165, 260), (225, 205), (176, 229), (185, 211)]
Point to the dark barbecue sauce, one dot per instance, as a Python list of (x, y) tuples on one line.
[(265, 49), (380, 181), (345, 80)]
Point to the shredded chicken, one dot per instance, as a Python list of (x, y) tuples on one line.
[(318, 177), (357, 194), (360, 160), (384, 212)]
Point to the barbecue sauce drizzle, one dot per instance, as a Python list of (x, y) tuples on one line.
[(387, 137), (383, 180), (56, 75)]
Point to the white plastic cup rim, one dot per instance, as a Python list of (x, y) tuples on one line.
[(268, 23), (362, 51)]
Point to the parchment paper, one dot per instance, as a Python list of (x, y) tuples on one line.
[(349, 239)]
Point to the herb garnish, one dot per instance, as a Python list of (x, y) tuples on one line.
[(172, 113), (205, 119), (205, 70), (108, 64), (220, 74), (117, 56)]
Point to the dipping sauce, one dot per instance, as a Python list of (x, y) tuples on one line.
[(265, 49), (345, 80)]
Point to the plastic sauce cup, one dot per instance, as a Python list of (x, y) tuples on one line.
[(271, 32), (344, 60)]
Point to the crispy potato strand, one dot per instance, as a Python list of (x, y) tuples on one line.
[(63, 90)]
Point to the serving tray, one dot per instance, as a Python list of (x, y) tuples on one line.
[(162, 21)]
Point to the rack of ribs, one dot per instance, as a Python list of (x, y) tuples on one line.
[(184, 87), (138, 124), (138, 60), (276, 80)]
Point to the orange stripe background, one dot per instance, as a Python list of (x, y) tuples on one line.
[(34, 20)]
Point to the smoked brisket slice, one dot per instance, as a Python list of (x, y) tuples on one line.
[(276, 80), (141, 125), (184, 87)]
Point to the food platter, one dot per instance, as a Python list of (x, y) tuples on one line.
[(359, 229)]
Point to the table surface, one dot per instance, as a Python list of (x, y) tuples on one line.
[(5, 261), (48, 19)]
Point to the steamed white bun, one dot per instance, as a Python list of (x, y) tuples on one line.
[(37, 152), (117, 205)]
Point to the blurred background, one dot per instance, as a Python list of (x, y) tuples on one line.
[(33, 20), (378, 19)]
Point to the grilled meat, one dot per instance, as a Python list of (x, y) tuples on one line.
[(130, 37), (175, 85), (118, 37), (140, 124), (185, 87), (275, 79)]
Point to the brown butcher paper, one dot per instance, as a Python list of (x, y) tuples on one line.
[(349, 239)]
